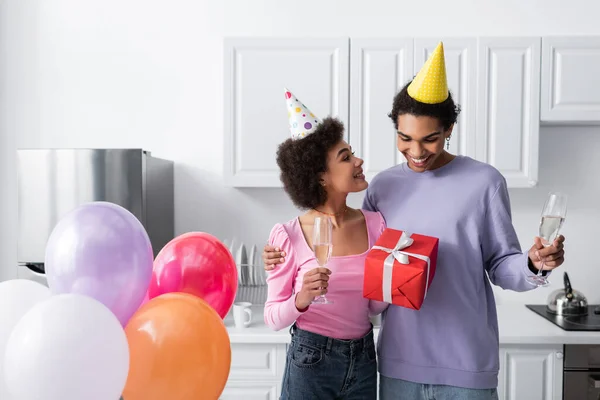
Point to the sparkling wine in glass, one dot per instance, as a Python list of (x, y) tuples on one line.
[(322, 244), (553, 217)]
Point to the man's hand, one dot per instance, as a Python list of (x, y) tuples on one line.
[(272, 256), (552, 256)]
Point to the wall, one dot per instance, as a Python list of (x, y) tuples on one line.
[(149, 74), (8, 251)]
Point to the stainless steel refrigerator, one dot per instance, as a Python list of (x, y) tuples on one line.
[(53, 182)]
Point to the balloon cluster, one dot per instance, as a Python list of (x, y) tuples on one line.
[(114, 322)]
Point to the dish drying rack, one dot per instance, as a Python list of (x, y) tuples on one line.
[(252, 277)]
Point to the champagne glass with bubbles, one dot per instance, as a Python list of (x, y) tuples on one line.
[(323, 246), (553, 217)]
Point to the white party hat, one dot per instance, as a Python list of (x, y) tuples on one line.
[(302, 121)]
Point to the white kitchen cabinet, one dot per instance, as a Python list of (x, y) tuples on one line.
[(532, 372), (378, 69), (570, 91), (495, 80), (508, 112), (256, 72), (251, 390), (461, 72), (256, 371)]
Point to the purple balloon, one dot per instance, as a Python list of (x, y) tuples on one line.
[(101, 250)]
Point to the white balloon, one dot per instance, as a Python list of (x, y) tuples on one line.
[(69, 347), (17, 296)]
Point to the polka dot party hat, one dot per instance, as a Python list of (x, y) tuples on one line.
[(302, 121), (430, 85)]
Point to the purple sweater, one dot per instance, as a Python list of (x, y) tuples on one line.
[(453, 338)]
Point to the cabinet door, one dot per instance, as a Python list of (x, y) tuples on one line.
[(256, 121), (570, 86), (251, 390), (508, 107), (461, 71), (530, 372), (257, 361), (378, 70)]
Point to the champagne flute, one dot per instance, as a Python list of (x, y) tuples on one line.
[(553, 217), (322, 244)]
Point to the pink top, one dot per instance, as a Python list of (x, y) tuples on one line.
[(348, 316)]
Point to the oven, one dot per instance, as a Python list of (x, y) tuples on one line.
[(581, 380)]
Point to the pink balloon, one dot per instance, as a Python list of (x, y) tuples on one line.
[(196, 263)]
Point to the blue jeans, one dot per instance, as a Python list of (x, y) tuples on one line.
[(322, 368), (398, 389)]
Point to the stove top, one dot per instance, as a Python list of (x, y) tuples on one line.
[(590, 322)]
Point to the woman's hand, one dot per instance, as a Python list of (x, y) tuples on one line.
[(552, 256), (272, 256), (314, 284)]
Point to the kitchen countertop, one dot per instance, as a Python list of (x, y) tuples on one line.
[(517, 325)]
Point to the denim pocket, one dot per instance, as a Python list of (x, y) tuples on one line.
[(304, 355)]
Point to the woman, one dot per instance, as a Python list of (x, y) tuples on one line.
[(332, 353), (449, 348)]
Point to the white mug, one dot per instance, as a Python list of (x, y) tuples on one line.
[(240, 311)]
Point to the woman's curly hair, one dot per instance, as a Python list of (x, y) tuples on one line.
[(302, 162), (446, 112)]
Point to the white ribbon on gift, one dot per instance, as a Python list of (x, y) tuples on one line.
[(402, 257)]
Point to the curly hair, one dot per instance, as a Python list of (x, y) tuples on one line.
[(446, 112), (302, 162)]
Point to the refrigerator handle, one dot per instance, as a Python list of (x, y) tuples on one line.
[(36, 268)]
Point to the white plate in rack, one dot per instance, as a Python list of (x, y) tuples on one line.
[(252, 266), (241, 260), (260, 270)]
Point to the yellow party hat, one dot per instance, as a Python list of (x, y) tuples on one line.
[(430, 85)]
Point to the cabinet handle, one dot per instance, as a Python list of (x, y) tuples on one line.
[(559, 355)]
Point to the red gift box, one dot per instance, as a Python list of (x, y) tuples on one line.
[(400, 268)]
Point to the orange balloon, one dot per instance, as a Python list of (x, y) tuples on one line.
[(179, 349)]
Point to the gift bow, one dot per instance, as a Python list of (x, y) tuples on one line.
[(402, 257)]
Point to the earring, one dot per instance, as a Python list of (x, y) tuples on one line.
[(447, 142)]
